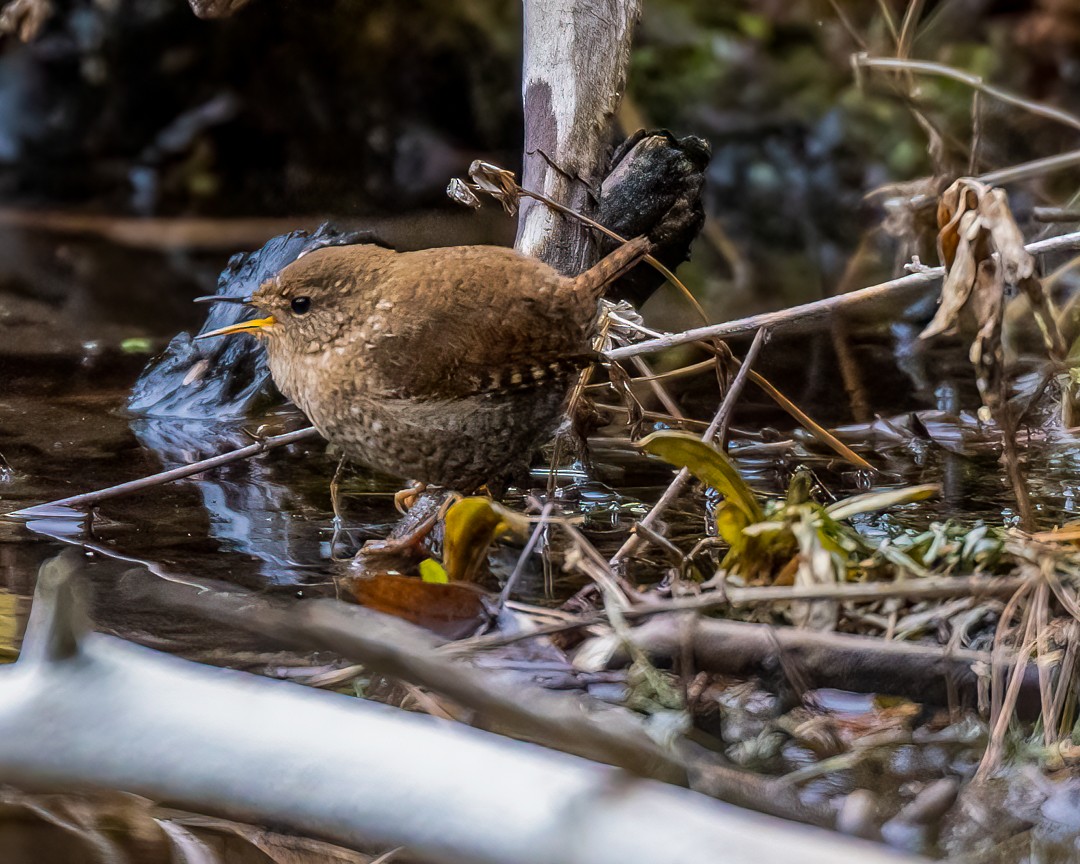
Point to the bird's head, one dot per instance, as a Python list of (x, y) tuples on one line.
[(306, 307)]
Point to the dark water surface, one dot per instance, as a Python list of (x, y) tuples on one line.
[(80, 318)]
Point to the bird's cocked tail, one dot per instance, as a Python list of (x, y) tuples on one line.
[(597, 278)]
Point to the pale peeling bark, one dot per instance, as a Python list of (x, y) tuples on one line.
[(84, 710), (576, 56)]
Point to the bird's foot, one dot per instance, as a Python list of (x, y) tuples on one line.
[(409, 534), (407, 497), (335, 494)]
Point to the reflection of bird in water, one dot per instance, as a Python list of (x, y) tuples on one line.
[(182, 396), (446, 366), (253, 504)]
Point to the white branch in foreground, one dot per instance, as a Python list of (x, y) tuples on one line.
[(93, 710)]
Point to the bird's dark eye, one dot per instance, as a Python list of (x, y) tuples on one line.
[(300, 305)]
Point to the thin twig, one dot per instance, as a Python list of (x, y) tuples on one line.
[(1020, 659), (999, 657), (927, 67), (914, 590), (519, 568), (681, 479), (666, 399), (179, 473), (681, 372), (801, 417), (1057, 214), (1028, 170), (808, 313), (808, 422), (650, 415), (908, 28)]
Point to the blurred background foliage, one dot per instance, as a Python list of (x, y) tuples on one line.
[(349, 108)]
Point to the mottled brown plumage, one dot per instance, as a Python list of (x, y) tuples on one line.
[(447, 366)]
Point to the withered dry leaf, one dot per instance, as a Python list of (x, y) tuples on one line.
[(960, 234), (620, 383), (983, 251), (453, 611), (458, 191), (948, 217), (497, 182), (815, 567), (1017, 263), (987, 355), (975, 223), (910, 208), (25, 18)]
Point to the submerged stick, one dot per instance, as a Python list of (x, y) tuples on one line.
[(178, 473), (808, 313)]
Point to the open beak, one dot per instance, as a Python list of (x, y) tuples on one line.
[(254, 326)]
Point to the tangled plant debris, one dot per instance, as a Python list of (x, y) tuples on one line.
[(869, 627)]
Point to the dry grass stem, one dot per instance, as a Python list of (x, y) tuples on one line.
[(811, 425), (179, 473), (926, 67)]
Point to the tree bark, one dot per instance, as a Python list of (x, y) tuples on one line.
[(576, 56)]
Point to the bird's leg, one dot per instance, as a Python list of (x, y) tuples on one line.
[(405, 498), (335, 504), (335, 493)]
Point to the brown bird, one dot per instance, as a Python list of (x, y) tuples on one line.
[(445, 366)]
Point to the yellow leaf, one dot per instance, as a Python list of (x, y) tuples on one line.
[(472, 525), (709, 464), (730, 525), (433, 572)]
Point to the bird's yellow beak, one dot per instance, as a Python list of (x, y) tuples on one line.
[(255, 326)]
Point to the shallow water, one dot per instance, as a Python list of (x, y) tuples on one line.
[(70, 354), (69, 360)]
